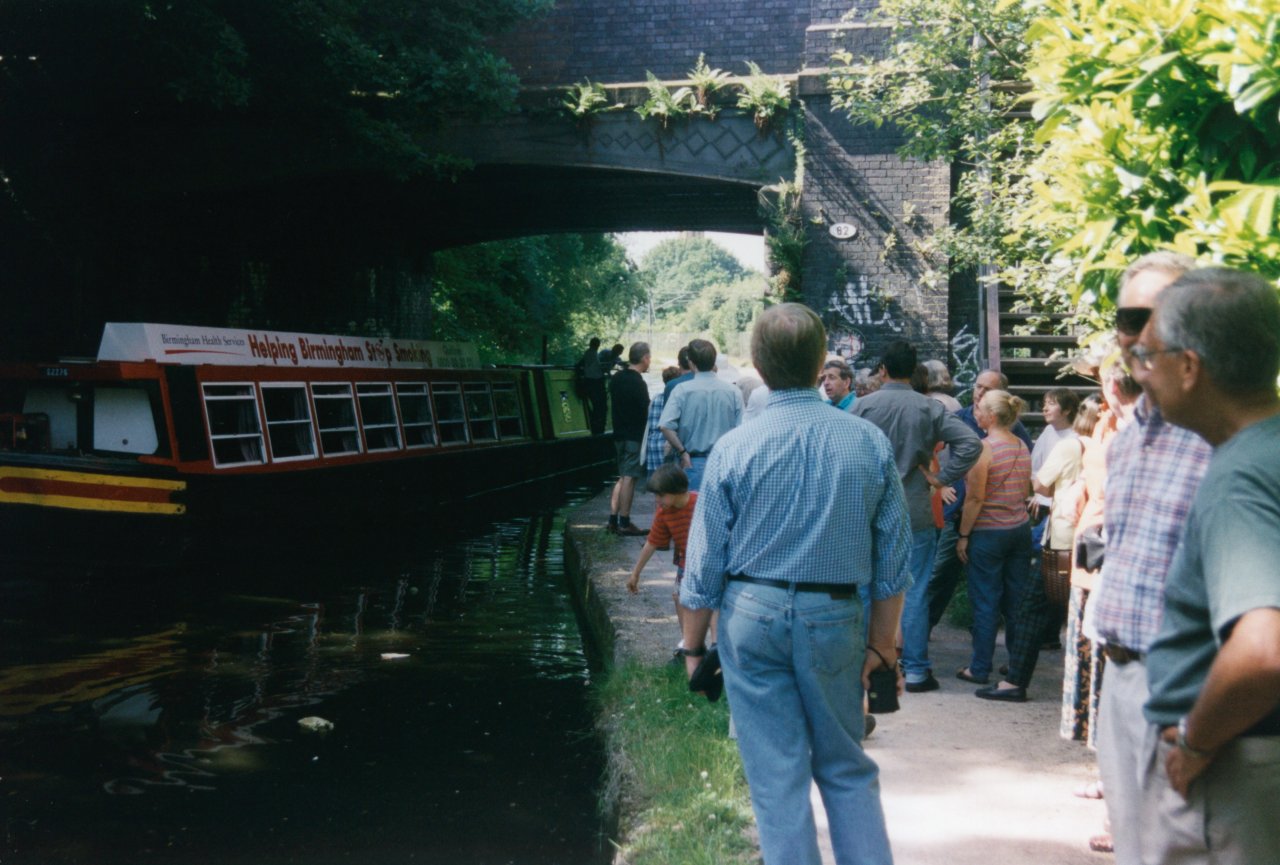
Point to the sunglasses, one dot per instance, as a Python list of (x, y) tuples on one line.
[(1130, 320)]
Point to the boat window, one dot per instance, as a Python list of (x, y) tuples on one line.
[(59, 405), (234, 431), (480, 412), (506, 405), (122, 421), (336, 417), (415, 415), (378, 415), (450, 417), (288, 421)]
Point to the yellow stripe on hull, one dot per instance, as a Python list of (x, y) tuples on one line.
[(87, 491)]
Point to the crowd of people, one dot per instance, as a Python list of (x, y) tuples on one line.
[(1136, 531)]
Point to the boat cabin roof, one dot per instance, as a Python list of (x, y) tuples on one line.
[(193, 345)]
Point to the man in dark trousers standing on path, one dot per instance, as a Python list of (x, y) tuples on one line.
[(802, 511), (916, 425), (630, 398)]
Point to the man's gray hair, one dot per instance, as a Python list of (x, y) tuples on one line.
[(1231, 319), (939, 376), (788, 345), (1173, 263), (636, 354)]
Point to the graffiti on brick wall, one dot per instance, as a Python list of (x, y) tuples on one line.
[(845, 344), (858, 305), (964, 348)]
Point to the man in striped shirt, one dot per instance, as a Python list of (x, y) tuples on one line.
[(800, 511), (1153, 471)]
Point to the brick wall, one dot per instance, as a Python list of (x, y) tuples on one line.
[(875, 287), (619, 40)]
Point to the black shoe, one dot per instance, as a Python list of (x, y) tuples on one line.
[(869, 726), (965, 675), (929, 684), (631, 530), (1004, 695), (611, 528)]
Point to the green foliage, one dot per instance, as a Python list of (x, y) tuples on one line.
[(767, 97), (681, 269), (586, 99), (506, 295), (1153, 127), (663, 104), (1159, 125), (670, 758), (724, 311), (707, 82)]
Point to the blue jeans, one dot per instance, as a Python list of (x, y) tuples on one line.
[(697, 465), (915, 606), (792, 666), (998, 577)]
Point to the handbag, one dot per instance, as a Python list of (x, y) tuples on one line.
[(1091, 549), (1055, 572)]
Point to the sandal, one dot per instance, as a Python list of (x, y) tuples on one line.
[(1101, 844), (964, 675), (1090, 790)]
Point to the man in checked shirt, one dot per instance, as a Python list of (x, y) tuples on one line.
[(799, 512), (1153, 471)]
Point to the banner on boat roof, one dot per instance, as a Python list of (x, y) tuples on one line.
[(185, 344)]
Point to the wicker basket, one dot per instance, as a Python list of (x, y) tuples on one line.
[(1055, 570)]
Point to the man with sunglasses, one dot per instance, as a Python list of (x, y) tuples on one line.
[(1153, 470)]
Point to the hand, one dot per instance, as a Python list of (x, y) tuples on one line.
[(948, 495), (1181, 767), (874, 662), (1033, 509), (962, 550), (686, 461), (633, 584)]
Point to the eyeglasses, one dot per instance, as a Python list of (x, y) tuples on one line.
[(1145, 356), (1130, 320)]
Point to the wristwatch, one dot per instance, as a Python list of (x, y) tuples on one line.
[(1182, 742)]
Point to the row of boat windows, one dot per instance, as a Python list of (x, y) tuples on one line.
[(303, 422)]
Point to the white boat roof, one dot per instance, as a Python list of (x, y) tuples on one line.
[(192, 345)]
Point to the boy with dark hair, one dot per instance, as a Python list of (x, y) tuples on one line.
[(670, 526)]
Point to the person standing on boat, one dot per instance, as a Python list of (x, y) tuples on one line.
[(630, 398), (593, 376)]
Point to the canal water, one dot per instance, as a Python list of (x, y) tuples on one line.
[(155, 717)]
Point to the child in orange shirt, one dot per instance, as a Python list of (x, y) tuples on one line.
[(670, 525)]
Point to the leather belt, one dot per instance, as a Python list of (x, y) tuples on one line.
[(698, 453), (1118, 654), (837, 592)]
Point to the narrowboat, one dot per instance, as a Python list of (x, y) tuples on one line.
[(177, 432)]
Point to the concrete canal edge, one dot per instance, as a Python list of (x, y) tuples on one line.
[(617, 626)]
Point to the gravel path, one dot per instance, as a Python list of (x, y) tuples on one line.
[(963, 780)]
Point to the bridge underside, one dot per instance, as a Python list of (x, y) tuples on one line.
[(494, 202)]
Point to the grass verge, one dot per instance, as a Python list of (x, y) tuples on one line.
[(674, 771)]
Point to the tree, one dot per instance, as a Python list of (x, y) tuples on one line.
[(682, 268), (725, 311), (506, 296), (1154, 127), (1159, 124), (144, 142)]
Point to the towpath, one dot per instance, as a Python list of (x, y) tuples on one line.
[(964, 781)]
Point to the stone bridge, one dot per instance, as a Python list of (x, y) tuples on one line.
[(540, 172)]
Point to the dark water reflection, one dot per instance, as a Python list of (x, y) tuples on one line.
[(156, 719)]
